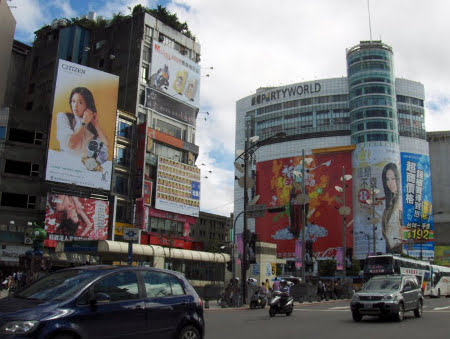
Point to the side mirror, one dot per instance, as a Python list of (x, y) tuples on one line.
[(100, 298)]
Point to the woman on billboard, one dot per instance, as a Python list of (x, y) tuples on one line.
[(79, 132), (393, 213)]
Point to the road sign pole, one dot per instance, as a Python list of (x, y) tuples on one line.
[(130, 252)]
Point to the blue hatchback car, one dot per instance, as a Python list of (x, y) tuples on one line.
[(104, 302)]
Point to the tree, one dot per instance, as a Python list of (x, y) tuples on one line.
[(327, 268), (354, 271)]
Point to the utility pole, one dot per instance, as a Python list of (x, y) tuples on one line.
[(245, 231), (303, 215), (344, 247)]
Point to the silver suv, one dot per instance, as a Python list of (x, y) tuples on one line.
[(388, 295)]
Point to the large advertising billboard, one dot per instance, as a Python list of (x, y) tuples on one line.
[(81, 145), (279, 183), (442, 255), (417, 205), (177, 187), (74, 218), (175, 74), (377, 203)]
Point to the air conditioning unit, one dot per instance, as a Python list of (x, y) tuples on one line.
[(27, 241)]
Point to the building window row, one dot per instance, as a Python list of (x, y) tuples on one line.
[(302, 102), (372, 113), (409, 100), (371, 101), (374, 89), (21, 168), (373, 124), (28, 137), (375, 136), (368, 66), (363, 79), (164, 226), (18, 200)]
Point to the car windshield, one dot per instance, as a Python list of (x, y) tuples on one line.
[(57, 286), (385, 284)]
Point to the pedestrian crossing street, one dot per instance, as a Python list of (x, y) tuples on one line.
[(347, 308)]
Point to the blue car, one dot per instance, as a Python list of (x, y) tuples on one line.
[(104, 302)]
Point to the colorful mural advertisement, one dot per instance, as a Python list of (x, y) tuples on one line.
[(177, 187), (73, 218), (377, 202), (442, 255), (279, 183), (417, 205), (83, 125), (175, 74)]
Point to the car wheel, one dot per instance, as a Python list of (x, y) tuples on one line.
[(356, 316), (419, 310), (288, 313), (401, 312), (189, 332)]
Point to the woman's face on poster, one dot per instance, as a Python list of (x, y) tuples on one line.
[(78, 104), (73, 215), (391, 181)]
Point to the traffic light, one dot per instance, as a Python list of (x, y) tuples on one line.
[(230, 266)]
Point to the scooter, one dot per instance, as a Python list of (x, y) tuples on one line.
[(281, 302), (258, 300)]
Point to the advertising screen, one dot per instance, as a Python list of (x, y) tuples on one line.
[(279, 183), (81, 143), (73, 218), (177, 187), (417, 205), (377, 201), (175, 74), (442, 255)]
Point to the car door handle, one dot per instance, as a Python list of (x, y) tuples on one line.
[(139, 307)]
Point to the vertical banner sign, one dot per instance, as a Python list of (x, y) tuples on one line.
[(377, 202), (81, 144), (140, 215), (417, 206), (148, 192)]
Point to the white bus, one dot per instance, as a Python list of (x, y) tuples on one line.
[(440, 279)]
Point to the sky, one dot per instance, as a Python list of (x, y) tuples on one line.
[(259, 43)]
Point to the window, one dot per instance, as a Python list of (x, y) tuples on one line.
[(18, 200), (2, 132), (158, 284), (148, 32), (122, 212), (167, 128), (119, 286), (121, 184), (21, 168), (125, 129), (123, 156), (144, 74), (29, 137), (146, 53)]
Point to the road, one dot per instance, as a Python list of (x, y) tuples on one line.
[(326, 320)]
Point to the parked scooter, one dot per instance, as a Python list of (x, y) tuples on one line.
[(258, 300), (281, 302)]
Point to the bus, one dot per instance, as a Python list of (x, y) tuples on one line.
[(391, 264), (440, 279)]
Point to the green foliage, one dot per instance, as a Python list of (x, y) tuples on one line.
[(327, 268), (354, 271)]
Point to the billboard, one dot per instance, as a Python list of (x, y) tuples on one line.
[(442, 255), (81, 144), (278, 183), (73, 218), (170, 107), (177, 187), (378, 199), (417, 205), (175, 74)]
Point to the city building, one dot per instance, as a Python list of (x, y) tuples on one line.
[(367, 128), (212, 232), (7, 28), (138, 170)]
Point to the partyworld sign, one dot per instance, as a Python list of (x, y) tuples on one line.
[(286, 93)]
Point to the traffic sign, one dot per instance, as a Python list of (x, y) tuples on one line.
[(131, 234), (256, 211)]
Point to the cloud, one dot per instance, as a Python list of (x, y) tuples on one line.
[(64, 7), (29, 16)]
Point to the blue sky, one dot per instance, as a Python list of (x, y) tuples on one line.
[(260, 43)]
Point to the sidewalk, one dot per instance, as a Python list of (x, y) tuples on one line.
[(3, 294)]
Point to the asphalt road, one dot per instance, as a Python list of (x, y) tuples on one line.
[(327, 320)]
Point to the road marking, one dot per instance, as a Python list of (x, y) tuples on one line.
[(340, 308), (441, 308)]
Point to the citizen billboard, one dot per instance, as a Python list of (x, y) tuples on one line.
[(83, 125)]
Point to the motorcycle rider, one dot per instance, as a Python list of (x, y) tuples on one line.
[(284, 287)]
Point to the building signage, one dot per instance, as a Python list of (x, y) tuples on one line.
[(84, 104), (171, 216), (12, 252), (177, 187), (75, 218), (175, 74), (286, 93), (170, 107)]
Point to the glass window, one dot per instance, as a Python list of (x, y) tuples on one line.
[(159, 284), (125, 129), (144, 74), (121, 184), (123, 156), (148, 32), (119, 286), (2, 132), (146, 53)]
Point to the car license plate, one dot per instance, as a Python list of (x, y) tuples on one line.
[(368, 306)]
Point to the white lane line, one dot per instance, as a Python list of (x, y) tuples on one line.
[(441, 308), (340, 308)]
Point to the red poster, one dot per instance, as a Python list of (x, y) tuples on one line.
[(147, 192), (140, 214), (274, 183)]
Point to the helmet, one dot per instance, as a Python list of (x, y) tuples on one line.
[(283, 282)]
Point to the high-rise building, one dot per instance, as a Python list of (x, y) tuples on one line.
[(367, 127)]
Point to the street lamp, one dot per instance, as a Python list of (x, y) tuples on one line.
[(344, 211), (373, 201), (244, 182)]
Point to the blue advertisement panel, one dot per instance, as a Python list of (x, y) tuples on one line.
[(417, 205)]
